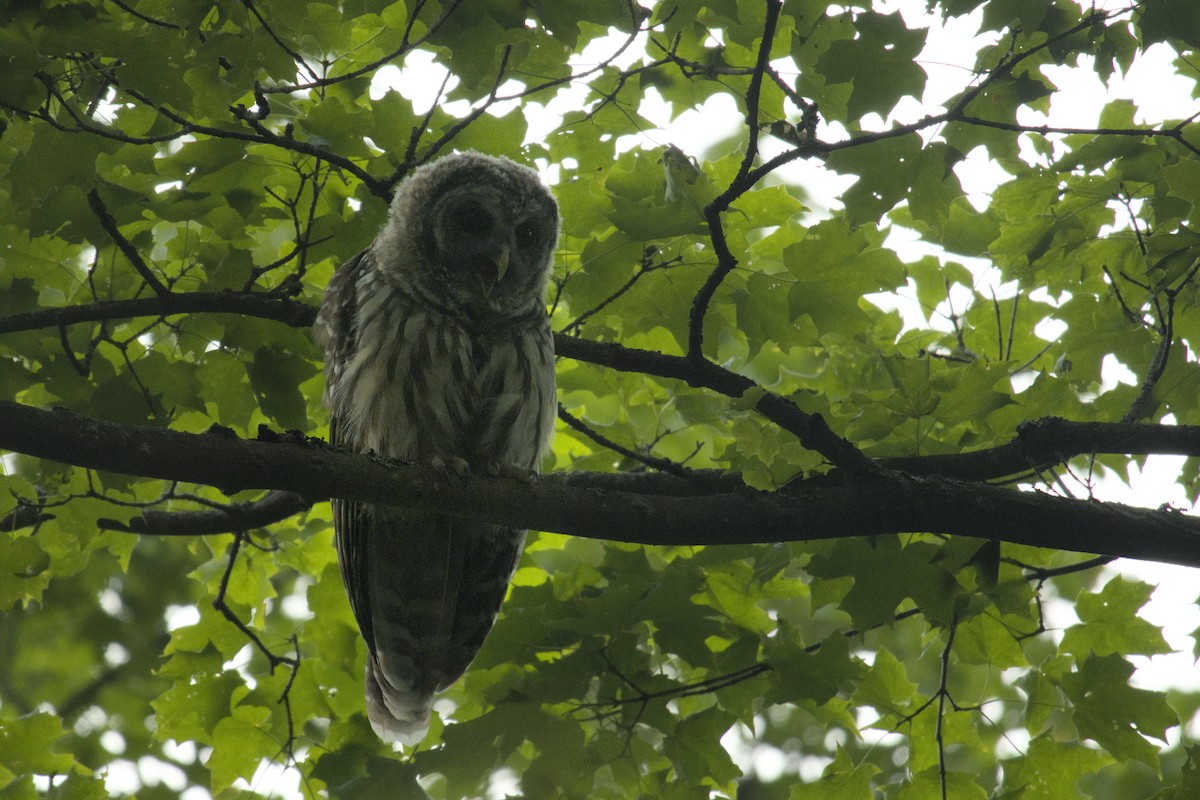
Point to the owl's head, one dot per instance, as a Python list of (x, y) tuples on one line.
[(474, 230)]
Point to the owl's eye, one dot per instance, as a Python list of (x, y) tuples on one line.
[(471, 218), (527, 235)]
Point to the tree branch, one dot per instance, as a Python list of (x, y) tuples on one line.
[(882, 503), (291, 52), (272, 507), (737, 187), (809, 428), (254, 304), (406, 45), (261, 135), (135, 258), (1051, 440), (1037, 443)]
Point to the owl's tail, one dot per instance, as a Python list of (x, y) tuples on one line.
[(397, 714)]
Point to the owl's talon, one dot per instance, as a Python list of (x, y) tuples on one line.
[(526, 476), (448, 466)]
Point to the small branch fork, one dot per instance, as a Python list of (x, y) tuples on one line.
[(1163, 302), (737, 187), (604, 709), (662, 464), (292, 662), (124, 245)]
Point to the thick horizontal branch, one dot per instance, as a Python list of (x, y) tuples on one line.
[(277, 505), (809, 428), (254, 304), (1037, 444), (879, 504), (1052, 440)]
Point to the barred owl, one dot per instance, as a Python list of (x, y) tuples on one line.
[(438, 351)]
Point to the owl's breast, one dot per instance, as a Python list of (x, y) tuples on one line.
[(406, 392), (514, 402), (421, 385)]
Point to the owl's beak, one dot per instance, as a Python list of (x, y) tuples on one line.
[(499, 263)]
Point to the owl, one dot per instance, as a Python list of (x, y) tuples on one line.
[(438, 351)]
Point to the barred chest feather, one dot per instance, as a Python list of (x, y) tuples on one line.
[(422, 383)]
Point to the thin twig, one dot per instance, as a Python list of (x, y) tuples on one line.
[(135, 258), (406, 45), (292, 54), (662, 464), (737, 187), (144, 18), (291, 662)]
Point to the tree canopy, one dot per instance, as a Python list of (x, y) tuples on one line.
[(822, 467)]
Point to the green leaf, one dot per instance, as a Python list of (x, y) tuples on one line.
[(886, 684), (930, 784), (240, 742), (834, 267), (884, 576), (880, 63), (728, 593), (23, 575), (842, 780), (695, 747), (276, 376), (886, 168), (1109, 624), (200, 698), (1189, 782), (1115, 715), (27, 745), (1050, 770), (984, 639), (797, 673)]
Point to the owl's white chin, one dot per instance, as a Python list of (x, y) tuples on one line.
[(500, 303)]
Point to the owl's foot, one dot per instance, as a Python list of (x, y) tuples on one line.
[(449, 466), (526, 476)]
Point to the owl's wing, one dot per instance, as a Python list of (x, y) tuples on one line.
[(350, 537), (490, 556), (336, 328)]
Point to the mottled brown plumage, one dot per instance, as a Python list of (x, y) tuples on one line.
[(438, 351)]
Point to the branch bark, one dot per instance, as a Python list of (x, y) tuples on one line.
[(882, 503), (1038, 443), (811, 429), (1052, 440), (272, 507), (253, 304)]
